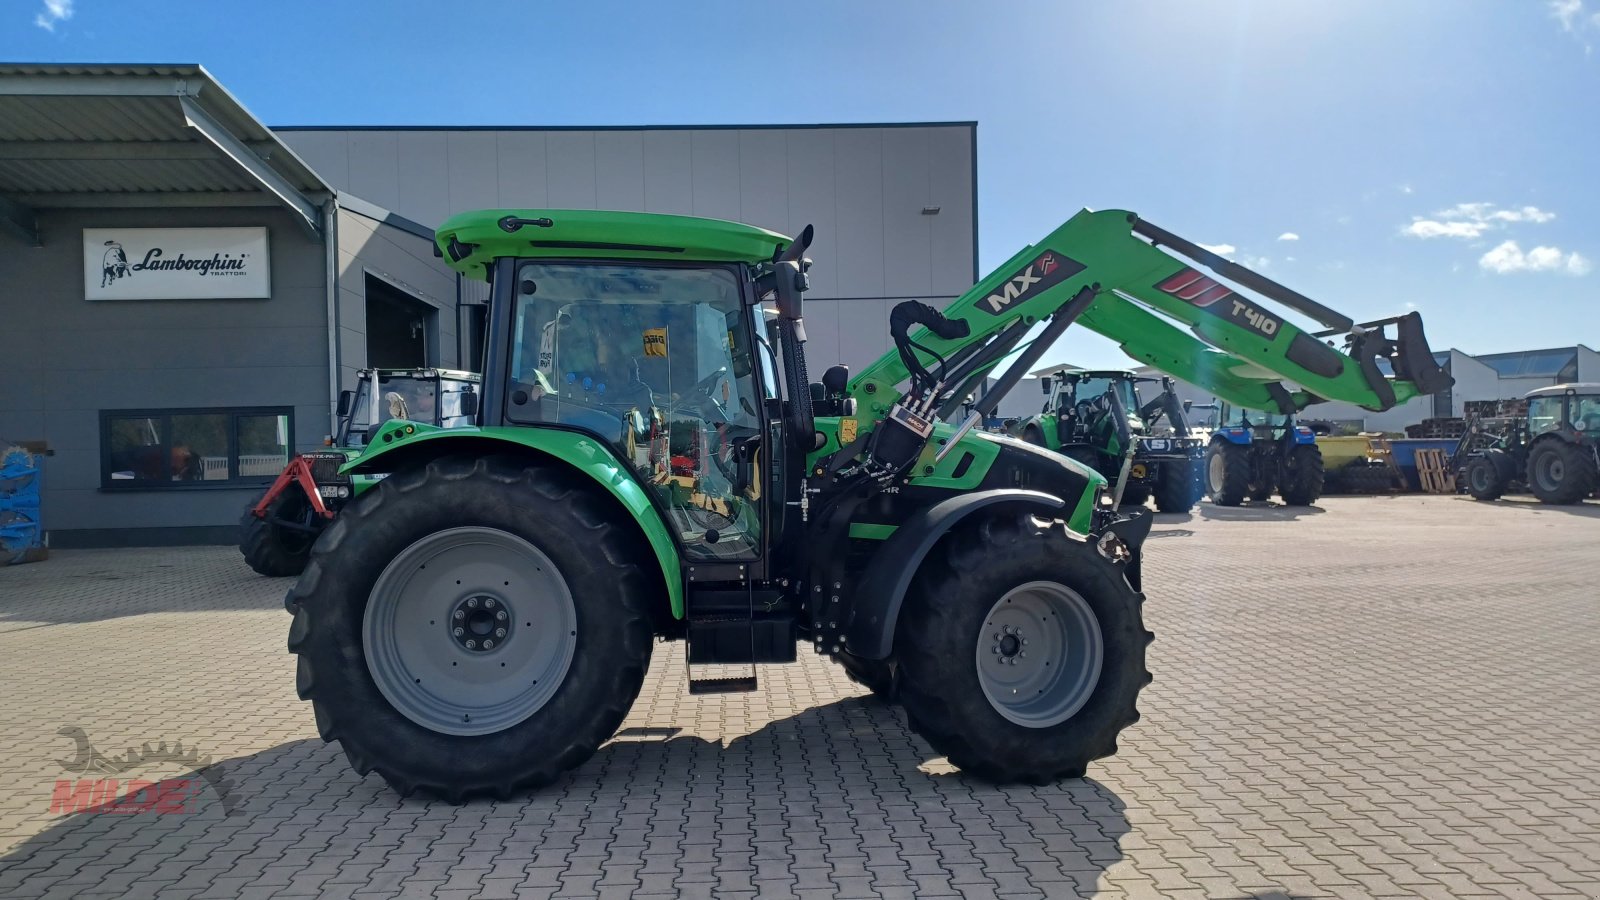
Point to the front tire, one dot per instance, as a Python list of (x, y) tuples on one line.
[(1228, 473), (1561, 473), (964, 679), (1483, 479), (412, 561), (275, 550), (876, 675), (1302, 476), (1179, 486)]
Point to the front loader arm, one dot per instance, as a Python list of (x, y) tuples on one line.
[(1240, 347)]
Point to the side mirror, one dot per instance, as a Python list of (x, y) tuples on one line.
[(1188, 405), (1047, 383), (469, 403), (346, 400)]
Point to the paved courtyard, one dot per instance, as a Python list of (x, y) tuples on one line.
[(1378, 697)]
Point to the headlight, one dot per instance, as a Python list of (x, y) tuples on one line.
[(333, 491)]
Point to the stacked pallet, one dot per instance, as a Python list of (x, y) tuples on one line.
[(1435, 473), (1438, 428)]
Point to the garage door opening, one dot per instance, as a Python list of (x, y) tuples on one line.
[(400, 328)]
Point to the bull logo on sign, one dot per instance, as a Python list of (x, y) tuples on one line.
[(114, 264)]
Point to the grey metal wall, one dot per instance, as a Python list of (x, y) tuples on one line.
[(405, 261), (63, 359), (863, 187)]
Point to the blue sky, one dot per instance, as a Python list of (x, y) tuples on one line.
[(1378, 156)]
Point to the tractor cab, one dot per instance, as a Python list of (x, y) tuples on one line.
[(438, 397)]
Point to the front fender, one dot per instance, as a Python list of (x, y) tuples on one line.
[(400, 444), (876, 611)]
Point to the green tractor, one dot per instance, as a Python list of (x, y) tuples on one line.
[(1255, 454), (651, 462), (277, 530), (1097, 418), (1554, 450)]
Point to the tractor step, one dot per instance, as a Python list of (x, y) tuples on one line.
[(739, 685)]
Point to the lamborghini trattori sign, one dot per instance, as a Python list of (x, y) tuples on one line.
[(176, 263)]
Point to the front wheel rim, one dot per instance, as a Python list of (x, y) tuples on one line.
[(437, 605), (1040, 654)]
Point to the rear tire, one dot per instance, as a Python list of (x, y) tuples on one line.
[(1560, 472), (273, 550), (1302, 476), (553, 552), (1010, 568), (1179, 486), (1227, 473), (1482, 476)]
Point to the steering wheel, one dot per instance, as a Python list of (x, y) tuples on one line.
[(703, 395)]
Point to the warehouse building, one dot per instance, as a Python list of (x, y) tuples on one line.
[(184, 291)]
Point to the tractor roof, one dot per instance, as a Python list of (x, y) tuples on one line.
[(1094, 373), (1586, 388), (470, 240)]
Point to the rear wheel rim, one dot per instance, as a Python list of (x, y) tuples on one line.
[(1550, 471), (1480, 478), (496, 588), (1216, 470), (1040, 654)]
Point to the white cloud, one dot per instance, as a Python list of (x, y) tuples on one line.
[(1288, 236), (1470, 220), (1508, 258), (54, 11), (1405, 188), (1221, 249), (1575, 20)]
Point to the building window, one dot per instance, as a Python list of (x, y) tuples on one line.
[(187, 448)]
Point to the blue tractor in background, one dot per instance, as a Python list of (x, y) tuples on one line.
[(1254, 454)]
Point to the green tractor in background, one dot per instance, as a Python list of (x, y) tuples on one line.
[(650, 461), (277, 530), (1254, 454), (1099, 419)]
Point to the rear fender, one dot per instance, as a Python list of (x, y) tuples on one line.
[(403, 445), (882, 590), (1239, 436)]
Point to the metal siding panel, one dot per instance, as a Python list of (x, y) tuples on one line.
[(811, 202), (764, 179), (619, 170), (424, 193), (473, 170), (714, 159), (521, 169), (858, 198), (571, 169), (907, 247), (950, 188), (375, 168), (668, 173), (326, 152), (863, 331)]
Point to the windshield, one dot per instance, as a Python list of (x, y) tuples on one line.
[(1091, 387), (658, 362)]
